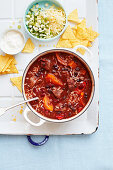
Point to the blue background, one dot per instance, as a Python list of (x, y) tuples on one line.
[(93, 152)]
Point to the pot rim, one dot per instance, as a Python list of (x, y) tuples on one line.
[(91, 95)]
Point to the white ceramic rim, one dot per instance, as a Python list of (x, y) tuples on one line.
[(41, 39), (20, 48), (91, 75)]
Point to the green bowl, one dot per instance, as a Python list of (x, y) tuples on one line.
[(41, 4)]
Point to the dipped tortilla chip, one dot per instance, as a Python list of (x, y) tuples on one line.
[(29, 47), (68, 34), (17, 81), (73, 16)]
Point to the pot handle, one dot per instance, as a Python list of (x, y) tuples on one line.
[(85, 48), (26, 111), (87, 59)]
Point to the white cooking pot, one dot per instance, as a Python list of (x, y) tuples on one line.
[(42, 118)]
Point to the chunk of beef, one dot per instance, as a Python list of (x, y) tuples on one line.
[(61, 60), (32, 81), (60, 107), (57, 91), (46, 64), (71, 83)]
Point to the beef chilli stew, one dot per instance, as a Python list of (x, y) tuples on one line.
[(62, 83)]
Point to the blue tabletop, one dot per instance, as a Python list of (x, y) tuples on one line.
[(93, 152)]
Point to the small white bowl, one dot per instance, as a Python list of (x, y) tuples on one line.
[(3, 48)]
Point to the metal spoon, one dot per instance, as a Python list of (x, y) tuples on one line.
[(3, 110)]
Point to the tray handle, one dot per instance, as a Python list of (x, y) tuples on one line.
[(37, 143)]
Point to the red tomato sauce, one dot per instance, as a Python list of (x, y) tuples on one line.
[(61, 82)]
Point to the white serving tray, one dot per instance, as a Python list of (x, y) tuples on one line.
[(86, 123)]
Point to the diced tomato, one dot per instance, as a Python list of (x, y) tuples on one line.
[(79, 109), (53, 79), (82, 94), (59, 117), (72, 64), (47, 104), (83, 72), (61, 60)]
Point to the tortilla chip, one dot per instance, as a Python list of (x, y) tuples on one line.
[(86, 34), (90, 28), (63, 43), (3, 62), (13, 69), (75, 42), (17, 81), (68, 34), (91, 35), (7, 65), (82, 23), (89, 44), (81, 33), (81, 50), (75, 32), (74, 28), (29, 47), (12, 57), (73, 16), (79, 42), (77, 35)]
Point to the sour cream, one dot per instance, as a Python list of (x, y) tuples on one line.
[(12, 42)]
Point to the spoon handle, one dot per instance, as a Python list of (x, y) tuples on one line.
[(25, 101)]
